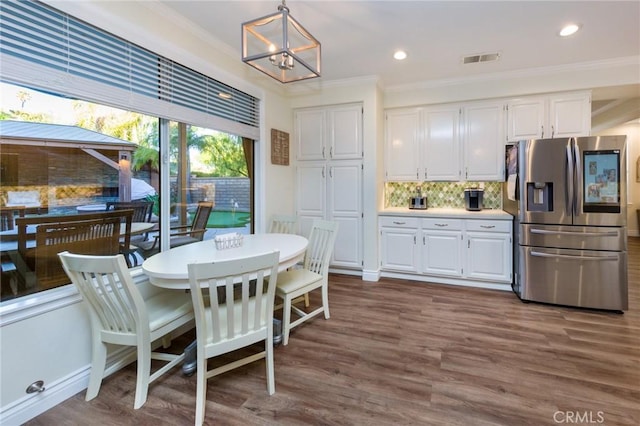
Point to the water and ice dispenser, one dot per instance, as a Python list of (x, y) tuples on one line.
[(540, 196)]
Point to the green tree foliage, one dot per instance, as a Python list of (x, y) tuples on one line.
[(221, 152), (226, 153)]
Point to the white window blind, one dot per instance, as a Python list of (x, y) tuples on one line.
[(43, 48)]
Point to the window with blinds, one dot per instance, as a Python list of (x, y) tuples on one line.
[(46, 49)]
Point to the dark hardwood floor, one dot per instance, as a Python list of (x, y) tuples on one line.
[(408, 353)]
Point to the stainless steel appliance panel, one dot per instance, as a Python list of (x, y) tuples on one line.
[(544, 181), (585, 278), (600, 157), (573, 237)]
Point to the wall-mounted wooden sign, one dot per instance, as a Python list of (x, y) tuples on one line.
[(279, 147)]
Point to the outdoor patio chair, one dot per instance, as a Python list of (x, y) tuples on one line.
[(142, 212), (181, 235)]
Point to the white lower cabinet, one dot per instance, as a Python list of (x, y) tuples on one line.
[(399, 244), (489, 252), (455, 248), (442, 247)]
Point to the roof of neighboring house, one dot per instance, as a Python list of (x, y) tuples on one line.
[(29, 133)]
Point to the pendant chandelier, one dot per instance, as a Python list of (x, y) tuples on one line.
[(280, 47)]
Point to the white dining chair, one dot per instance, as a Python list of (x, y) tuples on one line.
[(283, 224), (233, 305), (314, 274), (121, 316)]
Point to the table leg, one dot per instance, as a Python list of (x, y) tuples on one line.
[(190, 358)]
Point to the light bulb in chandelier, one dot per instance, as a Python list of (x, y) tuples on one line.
[(286, 62)]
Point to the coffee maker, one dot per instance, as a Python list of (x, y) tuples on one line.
[(473, 199)]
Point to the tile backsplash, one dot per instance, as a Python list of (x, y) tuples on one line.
[(441, 194)]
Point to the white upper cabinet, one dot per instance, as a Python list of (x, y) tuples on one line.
[(345, 132), (445, 143), (483, 141), (310, 134), (329, 133), (402, 145), (570, 115), (526, 118), (441, 147), (552, 116)]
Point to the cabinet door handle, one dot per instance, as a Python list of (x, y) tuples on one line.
[(542, 127), (418, 173), (487, 226), (442, 224), (395, 222), (331, 152), (553, 131), (414, 239), (323, 152)]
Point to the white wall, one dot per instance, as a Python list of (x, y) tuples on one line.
[(632, 130)]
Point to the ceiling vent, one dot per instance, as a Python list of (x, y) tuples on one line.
[(485, 57)]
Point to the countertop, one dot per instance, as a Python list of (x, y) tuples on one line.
[(487, 214)]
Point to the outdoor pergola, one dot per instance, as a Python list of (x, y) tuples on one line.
[(50, 158)]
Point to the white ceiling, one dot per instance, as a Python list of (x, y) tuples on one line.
[(359, 37)]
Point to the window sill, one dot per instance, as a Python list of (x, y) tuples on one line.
[(32, 305)]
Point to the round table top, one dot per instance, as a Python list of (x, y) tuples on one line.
[(169, 268)]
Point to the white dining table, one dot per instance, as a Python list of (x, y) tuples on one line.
[(168, 269)]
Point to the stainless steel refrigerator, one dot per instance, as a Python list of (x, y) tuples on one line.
[(568, 197)]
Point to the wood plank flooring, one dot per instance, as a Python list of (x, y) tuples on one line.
[(408, 353)]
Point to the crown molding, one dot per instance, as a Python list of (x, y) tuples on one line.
[(530, 72), (318, 84)]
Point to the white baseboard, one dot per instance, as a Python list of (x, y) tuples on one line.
[(450, 281), (371, 275), (32, 405)]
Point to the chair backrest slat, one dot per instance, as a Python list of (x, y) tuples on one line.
[(321, 243), (106, 285), (142, 210), (201, 217), (240, 296), (283, 224), (95, 237)]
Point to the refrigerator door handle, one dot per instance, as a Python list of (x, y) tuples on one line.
[(569, 178), (577, 181), (567, 256), (580, 234)]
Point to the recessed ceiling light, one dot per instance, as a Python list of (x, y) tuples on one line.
[(569, 29), (400, 55)]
